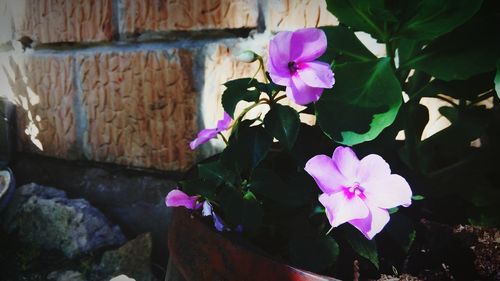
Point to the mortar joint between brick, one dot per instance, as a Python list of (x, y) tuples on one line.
[(81, 118)]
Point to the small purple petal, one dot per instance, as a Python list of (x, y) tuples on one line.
[(207, 209), (372, 224), (326, 174), (347, 162), (203, 136), (316, 74), (224, 123), (388, 192), (302, 94), (177, 198), (239, 228), (340, 208), (307, 44), (218, 223)]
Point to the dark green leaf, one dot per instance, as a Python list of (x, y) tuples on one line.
[(430, 18), (344, 46), (240, 210), (417, 197), (364, 15), (217, 173), (363, 102), (268, 184), (393, 210), (245, 89), (283, 123), (247, 148), (462, 53), (201, 187), (313, 253), (362, 246)]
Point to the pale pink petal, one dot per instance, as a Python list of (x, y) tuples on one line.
[(177, 198), (224, 123), (373, 223), (372, 167), (307, 44), (388, 192), (302, 94), (203, 136), (342, 208), (347, 162), (325, 173), (316, 74)]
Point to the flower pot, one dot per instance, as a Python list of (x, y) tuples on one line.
[(201, 253)]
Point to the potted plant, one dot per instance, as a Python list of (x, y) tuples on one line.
[(320, 196)]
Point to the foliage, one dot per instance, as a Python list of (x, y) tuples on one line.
[(445, 50)]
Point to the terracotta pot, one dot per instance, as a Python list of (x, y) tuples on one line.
[(201, 253)]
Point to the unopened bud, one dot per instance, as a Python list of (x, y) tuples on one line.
[(247, 56)]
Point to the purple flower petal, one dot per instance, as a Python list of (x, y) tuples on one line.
[(279, 50), (207, 209), (177, 198), (316, 74), (325, 173), (307, 44), (203, 136), (302, 94), (388, 192), (224, 123), (347, 162), (373, 223), (340, 208), (218, 223), (372, 167)]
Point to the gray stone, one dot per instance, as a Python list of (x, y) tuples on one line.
[(132, 259), (45, 217), (67, 275)]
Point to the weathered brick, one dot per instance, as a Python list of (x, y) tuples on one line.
[(140, 106), (42, 88), (175, 15), (293, 14), (50, 21)]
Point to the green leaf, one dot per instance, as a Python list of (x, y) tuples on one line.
[(245, 89), (247, 148), (217, 173), (268, 184), (393, 210), (364, 15), (462, 53), (313, 253), (430, 18), (497, 79), (283, 123), (417, 197), (362, 246), (364, 101), (201, 187), (240, 210), (344, 46)]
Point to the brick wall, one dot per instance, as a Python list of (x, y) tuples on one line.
[(131, 81)]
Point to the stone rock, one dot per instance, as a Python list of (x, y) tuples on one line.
[(45, 217), (132, 259), (68, 275)]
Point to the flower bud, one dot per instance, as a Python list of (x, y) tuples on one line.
[(247, 56)]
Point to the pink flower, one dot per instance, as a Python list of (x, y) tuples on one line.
[(358, 191), (177, 198), (207, 134), (292, 64)]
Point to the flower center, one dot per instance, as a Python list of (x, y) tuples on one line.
[(355, 189), (292, 67)]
